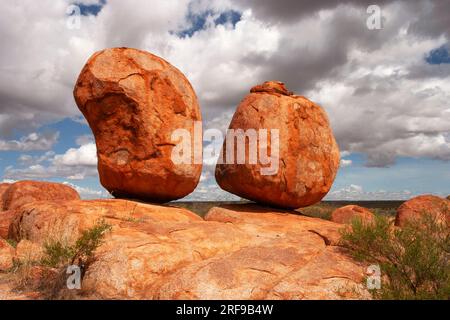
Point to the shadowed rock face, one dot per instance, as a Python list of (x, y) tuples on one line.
[(3, 188), (237, 252), (133, 101), (308, 153), (414, 209), (348, 213)]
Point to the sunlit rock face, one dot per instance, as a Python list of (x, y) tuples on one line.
[(308, 156), (133, 102)]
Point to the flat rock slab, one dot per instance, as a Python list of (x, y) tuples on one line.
[(236, 252)]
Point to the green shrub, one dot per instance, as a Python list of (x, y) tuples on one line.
[(59, 254), (414, 260), (56, 254), (12, 242), (89, 241)]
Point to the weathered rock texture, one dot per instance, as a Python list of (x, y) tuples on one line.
[(288, 257), (28, 252), (3, 188), (6, 256), (23, 192), (13, 196), (414, 209), (308, 153), (6, 218), (348, 213), (133, 101), (239, 252)]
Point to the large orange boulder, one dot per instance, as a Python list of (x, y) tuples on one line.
[(22, 192), (308, 158), (133, 102), (348, 213), (415, 208), (163, 252)]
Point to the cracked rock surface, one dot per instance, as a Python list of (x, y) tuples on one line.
[(165, 252), (133, 102), (308, 153)]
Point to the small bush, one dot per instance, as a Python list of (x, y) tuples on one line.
[(12, 242), (89, 241), (58, 254), (414, 260), (22, 271)]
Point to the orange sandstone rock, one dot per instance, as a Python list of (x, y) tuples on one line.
[(162, 252), (28, 252), (6, 256), (133, 101), (346, 214), (415, 208), (308, 153), (23, 192), (3, 188), (289, 257), (6, 218)]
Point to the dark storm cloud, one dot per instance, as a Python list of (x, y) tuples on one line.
[(433, 19), (292, 10)]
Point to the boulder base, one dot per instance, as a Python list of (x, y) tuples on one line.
[(237, 252)]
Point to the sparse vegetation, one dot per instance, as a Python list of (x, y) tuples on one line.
[(414, 260), (320, 210), (58, 255), (12, 242), (23, 273), (324, 209)]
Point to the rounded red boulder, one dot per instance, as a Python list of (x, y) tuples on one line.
[(416, 208), (23, 192), (308, 157), (349, 213), (133, 102)]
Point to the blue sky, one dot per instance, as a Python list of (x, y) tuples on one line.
[(386, 92)]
